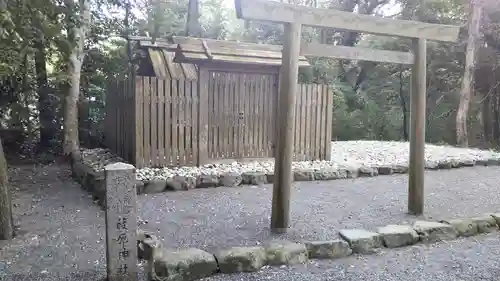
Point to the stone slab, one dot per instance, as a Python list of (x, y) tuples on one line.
[(431, 232), (241, 259), (303, 175), (184, 265), (155, 186), (330, 174), (485, 223), (121, 222), (207, 181), (496, 216), (365, 171), (328, 249), (361, 241), (465, 227), (231, 179), (254, 178), (286, 252), (394, 236)]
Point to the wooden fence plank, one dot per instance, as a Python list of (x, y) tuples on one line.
[(175, 123), (203, 117), (119, 139), (217, 116), (322, 135), (139, 127), (210, 112), (181, 140), (154, 121), (234, 115), (329, 125), (168, 121), (194, 119), (317, 136), (247, 114), (308, 124), (240, 119), (225, 111), (187, 122), (265, 114), (147, 122), (251, 116), (303, 122), (211, 96), (261, 114), (160, 125)]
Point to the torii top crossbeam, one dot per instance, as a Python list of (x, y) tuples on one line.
[(266, 10)]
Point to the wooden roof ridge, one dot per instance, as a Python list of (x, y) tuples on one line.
[(201, 50)]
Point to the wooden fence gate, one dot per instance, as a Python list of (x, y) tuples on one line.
[(241, 120)]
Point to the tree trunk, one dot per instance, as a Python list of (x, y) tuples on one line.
[(486, 111), (6, 221), (193, 27), (78, 34), (48, 129), (403, 105), (468, 79), (496, 122)]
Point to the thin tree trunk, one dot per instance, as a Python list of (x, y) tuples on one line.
[(403, 105), (48, 130), (78, 32), (496, 122), (486, 111), (193, 27), (6, 221), (468, 79)]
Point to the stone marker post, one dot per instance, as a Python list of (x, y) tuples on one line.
[(121, 222)]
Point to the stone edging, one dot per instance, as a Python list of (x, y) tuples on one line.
[(192, 263), (93, 181)]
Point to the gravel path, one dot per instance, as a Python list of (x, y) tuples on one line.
[(62, 230), (224, 217), (468, 259)]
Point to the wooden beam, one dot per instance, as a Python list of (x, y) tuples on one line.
[(265, 10), (207, 50), (284, 138), (356, 53), (212, 43), (418, 97)]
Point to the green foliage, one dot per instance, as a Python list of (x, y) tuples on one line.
[(371, 100)]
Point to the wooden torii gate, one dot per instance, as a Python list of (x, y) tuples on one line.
[(294, 17)]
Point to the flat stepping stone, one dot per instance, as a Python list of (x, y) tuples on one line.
[(332, 249), (361, 241), (241, 259), (431, 232), (394, 236), (286, 252)]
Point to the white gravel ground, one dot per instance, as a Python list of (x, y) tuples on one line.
[(352, 154)]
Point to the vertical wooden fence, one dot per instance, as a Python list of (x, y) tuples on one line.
[(119, 120), (166, 122), (154, 122), (313, 122)]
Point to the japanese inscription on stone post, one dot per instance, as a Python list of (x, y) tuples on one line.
[(121, 222)]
